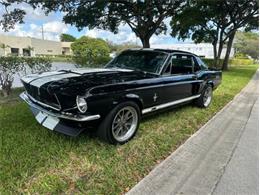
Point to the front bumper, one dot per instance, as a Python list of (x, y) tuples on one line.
[(68, 124)]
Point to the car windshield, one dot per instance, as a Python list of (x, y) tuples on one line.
[(147, 61)]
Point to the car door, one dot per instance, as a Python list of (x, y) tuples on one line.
[(181, 82)]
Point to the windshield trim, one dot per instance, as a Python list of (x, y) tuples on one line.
[(155, 73)]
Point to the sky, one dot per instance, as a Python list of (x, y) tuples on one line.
[(53, 26)]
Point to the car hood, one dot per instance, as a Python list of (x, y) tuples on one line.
[(78, 81)]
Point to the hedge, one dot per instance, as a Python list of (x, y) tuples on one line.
[(11, 65), (233, 61)]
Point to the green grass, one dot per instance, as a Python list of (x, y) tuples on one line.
[(37, 160)]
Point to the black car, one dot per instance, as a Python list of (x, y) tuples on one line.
[(133, 84)]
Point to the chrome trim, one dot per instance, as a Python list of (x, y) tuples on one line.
[(78, 118), (43, 104), (161, 106), (166, 85)]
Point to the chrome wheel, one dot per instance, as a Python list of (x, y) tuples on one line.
[(125, 123), (207, 96)]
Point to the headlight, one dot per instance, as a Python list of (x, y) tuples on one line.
[(81, 104)]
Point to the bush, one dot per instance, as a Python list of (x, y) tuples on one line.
[(233, 61), (11, 65), (210, 62), (241, 61), (37, 64), (90, 52)]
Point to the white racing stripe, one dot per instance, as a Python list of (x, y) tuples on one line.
[(30, 77), (41, 81), (161, 106), (40, 117), (51, 122), (93, 70), (38, 80)]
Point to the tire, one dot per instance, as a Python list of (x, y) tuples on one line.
[(116, 129), (206, 97)]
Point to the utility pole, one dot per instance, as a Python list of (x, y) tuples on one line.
[(42, 33)]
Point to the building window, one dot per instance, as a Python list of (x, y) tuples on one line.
[(50, 51), (15, 51), (26, 52)]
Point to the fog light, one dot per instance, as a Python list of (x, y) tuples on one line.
[(81, 104)]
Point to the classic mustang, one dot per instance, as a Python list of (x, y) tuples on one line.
[(135, 83)]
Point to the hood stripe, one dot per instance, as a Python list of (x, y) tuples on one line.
[(33, 77), (43, 80)]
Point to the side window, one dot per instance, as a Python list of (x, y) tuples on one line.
[(197, 67), (202, 65), (182, 64), (167, 70)]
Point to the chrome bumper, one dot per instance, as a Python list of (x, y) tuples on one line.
[(78, 118)]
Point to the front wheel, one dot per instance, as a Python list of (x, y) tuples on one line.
[(206, 97), (121, 124)]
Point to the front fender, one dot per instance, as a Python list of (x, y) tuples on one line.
[(131, 97)]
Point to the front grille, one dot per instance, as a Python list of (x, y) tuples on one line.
[(42, 96)]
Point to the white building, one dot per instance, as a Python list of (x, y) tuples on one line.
[(27, 46), (201, 49)]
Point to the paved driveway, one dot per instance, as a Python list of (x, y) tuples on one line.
[(221, 158)]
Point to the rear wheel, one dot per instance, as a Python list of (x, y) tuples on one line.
[(206, 97), (121, 124)]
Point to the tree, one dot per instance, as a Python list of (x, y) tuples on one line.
[(144, 17), (117, 48), (247, 43), (67, 38), (215, 22), (90, 51), (10, 16), (4, 47)]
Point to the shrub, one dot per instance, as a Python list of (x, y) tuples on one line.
[(241, 61), (90, 52), (11, 65), (211, 64), (233, 61), (37, 64)]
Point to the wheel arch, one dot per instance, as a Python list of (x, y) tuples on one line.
[(135, 98)]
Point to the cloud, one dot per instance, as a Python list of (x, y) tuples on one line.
[(55, 27), (124, 35), (34, 20), (34, 15), (52, 30)]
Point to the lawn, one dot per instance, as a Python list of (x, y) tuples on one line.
[(37, 160)]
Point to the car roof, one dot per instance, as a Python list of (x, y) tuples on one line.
[(161, 50)]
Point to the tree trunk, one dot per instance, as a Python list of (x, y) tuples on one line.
[(220, 47), (229, 47), (215, 52), (145, 41), (6, 87), (6, 91)]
